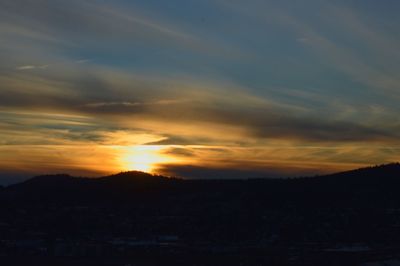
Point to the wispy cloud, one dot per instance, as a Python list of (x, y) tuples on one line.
[(82, 61), (27, 67), (133, 104)]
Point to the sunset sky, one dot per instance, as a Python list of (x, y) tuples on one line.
[(198, 89)]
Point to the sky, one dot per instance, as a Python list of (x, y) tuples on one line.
[(198, 89)]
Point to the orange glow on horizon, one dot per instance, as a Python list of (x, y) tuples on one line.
[(143, 158)]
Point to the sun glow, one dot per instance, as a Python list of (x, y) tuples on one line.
[(143, 158)]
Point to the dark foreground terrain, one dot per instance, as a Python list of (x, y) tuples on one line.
[(350, 218)]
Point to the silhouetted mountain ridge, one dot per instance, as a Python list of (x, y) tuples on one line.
[(65, 180), (47, 180), (135, 176), (362, 186), (375, 177), (386, 171), (68, 188)]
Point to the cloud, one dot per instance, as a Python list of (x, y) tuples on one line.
[(346, 58), (132, 104), (335, 39), (27, 67), (185, 152), (104, 93), (82, 61), (105, 104), (169, 139), (101, 25)]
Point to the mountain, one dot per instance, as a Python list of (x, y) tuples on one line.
[(64, 179), (362, 185), (370, 175), (378, 183), (66, 188)]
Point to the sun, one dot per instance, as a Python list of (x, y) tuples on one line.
[(143, 158)]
